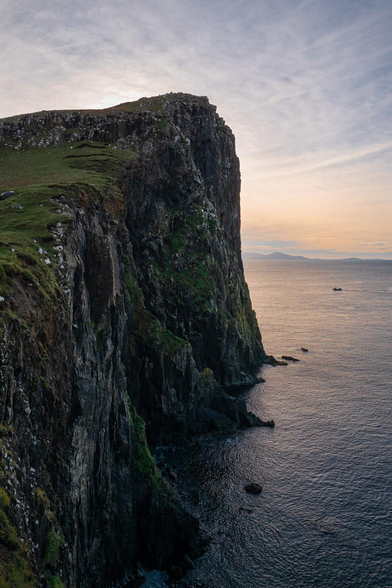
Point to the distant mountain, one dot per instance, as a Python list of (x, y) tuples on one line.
[(277, 256), (246, 255)]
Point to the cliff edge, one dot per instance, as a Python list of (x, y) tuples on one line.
[(125, 321)]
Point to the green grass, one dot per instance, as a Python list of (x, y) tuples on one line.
[(36, 176), (194, 278), (143, 459), (53, 544), (170, 342), (15, 569), (55, 582), (19, 254), (43, 505), (177, 241), (4, 498), (161, 125), (146, 465), (87, 162), (147, 328)]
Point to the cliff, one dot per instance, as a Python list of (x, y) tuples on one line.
[(125, 321)]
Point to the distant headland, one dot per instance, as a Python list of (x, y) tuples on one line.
[(277, 256)]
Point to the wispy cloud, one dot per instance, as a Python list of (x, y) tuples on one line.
[(305, 85)]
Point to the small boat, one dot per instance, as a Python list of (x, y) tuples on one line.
[(337, 289)]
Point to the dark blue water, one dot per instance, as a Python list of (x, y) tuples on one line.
[(324, 518)]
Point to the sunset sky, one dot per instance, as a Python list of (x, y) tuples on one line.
[(306, 87)]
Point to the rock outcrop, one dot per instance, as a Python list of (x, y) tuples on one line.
[(125, 321)]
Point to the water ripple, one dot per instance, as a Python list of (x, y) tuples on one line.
[(324, 518)]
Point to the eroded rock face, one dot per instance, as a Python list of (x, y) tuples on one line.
[(147, 319)]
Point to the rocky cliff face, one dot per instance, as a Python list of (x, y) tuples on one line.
[(125, 321)]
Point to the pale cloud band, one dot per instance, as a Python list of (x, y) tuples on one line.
[(305, 86)]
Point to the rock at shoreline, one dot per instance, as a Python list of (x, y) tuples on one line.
[(252, 420), (245, 382), (271, 360), (289, 358), (253, 488), (304, 349)]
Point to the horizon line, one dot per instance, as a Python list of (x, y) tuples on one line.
[(306, 258)]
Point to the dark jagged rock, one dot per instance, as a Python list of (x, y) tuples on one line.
[(6, 194), (245, 382), (253, 488), (271, 360), (289, 358), (125, 319), (251, 420), (304, 349)]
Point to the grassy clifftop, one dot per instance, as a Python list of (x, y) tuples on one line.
[(38, 178), (90, 162), (152, 104)]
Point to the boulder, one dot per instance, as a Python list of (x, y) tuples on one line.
[(6, 194), (253, 488), (251, 420), (271, 360)]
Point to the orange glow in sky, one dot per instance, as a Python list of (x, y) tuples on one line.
[(305, 85)]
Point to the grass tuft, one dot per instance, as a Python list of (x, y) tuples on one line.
[(51, 552), (143, 459), (55, 582), (15, 569)]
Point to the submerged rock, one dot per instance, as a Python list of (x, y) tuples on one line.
[(253, 488), (271, 360)]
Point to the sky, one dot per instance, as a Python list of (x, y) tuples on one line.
[(305, 85)]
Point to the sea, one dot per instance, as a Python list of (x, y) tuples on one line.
[(324, 517)]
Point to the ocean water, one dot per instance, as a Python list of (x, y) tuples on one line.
[(324, 518)]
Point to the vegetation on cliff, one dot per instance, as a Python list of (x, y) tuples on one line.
[(39, 178), (123, 313), (15, 562)]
